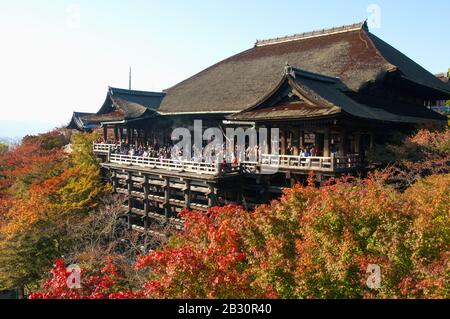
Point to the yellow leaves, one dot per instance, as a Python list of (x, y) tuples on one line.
[(71, 188)]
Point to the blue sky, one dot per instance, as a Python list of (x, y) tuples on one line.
[(54, 60)]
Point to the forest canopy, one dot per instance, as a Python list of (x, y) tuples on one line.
[(314, 242)]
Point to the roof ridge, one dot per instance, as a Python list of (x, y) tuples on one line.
[(135, 92), (314, 34)]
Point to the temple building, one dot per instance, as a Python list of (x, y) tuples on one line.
[(80, 122), (335, 91)]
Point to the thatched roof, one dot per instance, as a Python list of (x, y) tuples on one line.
[(303, 95), (126, 105), (80, 122), (350, 53)]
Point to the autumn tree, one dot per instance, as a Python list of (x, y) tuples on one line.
[(314, 242), (45, 190)]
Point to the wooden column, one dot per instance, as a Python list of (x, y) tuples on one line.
[(295, 141), (128, 135), (301, 139), (145, 136), (343, 142), (167, 198), (211, 195), (120, 134), (132, 136), (116, 134), (187, 194), (326, 143), (269, 140), (130, 185), (115, 181), (105, 133), (146, 210), (146, 203), (282, 142), (357, 142)]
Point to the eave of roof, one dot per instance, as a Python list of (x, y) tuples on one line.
[(133, 103), (79, 121)]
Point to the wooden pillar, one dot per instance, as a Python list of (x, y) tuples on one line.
[(269, 140), (282, 142), (132, 136), (146, 211), (187, 194), (145, 139), (130, 185), (128, 135), (357, 142), (295, 141), (211, 195), (301, 139), (116, 134), (105, 133), (120, 134), (167, 198), (115, 181), (326, 143), (343, 142)]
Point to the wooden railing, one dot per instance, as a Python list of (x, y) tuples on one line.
[(315, 163), (346, 162), (175, 165), (297, 162), (268, 162), (101, 148)]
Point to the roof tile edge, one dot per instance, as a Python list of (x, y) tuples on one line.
[(314, 34), (134, 92)]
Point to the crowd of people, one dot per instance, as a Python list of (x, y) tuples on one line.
[(307, 151), (210, 153)]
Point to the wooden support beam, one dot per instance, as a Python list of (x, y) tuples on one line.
[(116, 134), (343, 142), (115, 182), (187, 194), (146, 202), (211, 195), (301, 139), (120, 134), (128, 135), (295, 141), (130, 208), (327, 143), (167, 209), (105, 133), (283, 142), (357, 142), (146, 211)]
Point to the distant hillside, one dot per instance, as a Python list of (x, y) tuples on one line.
[(12, 131)]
